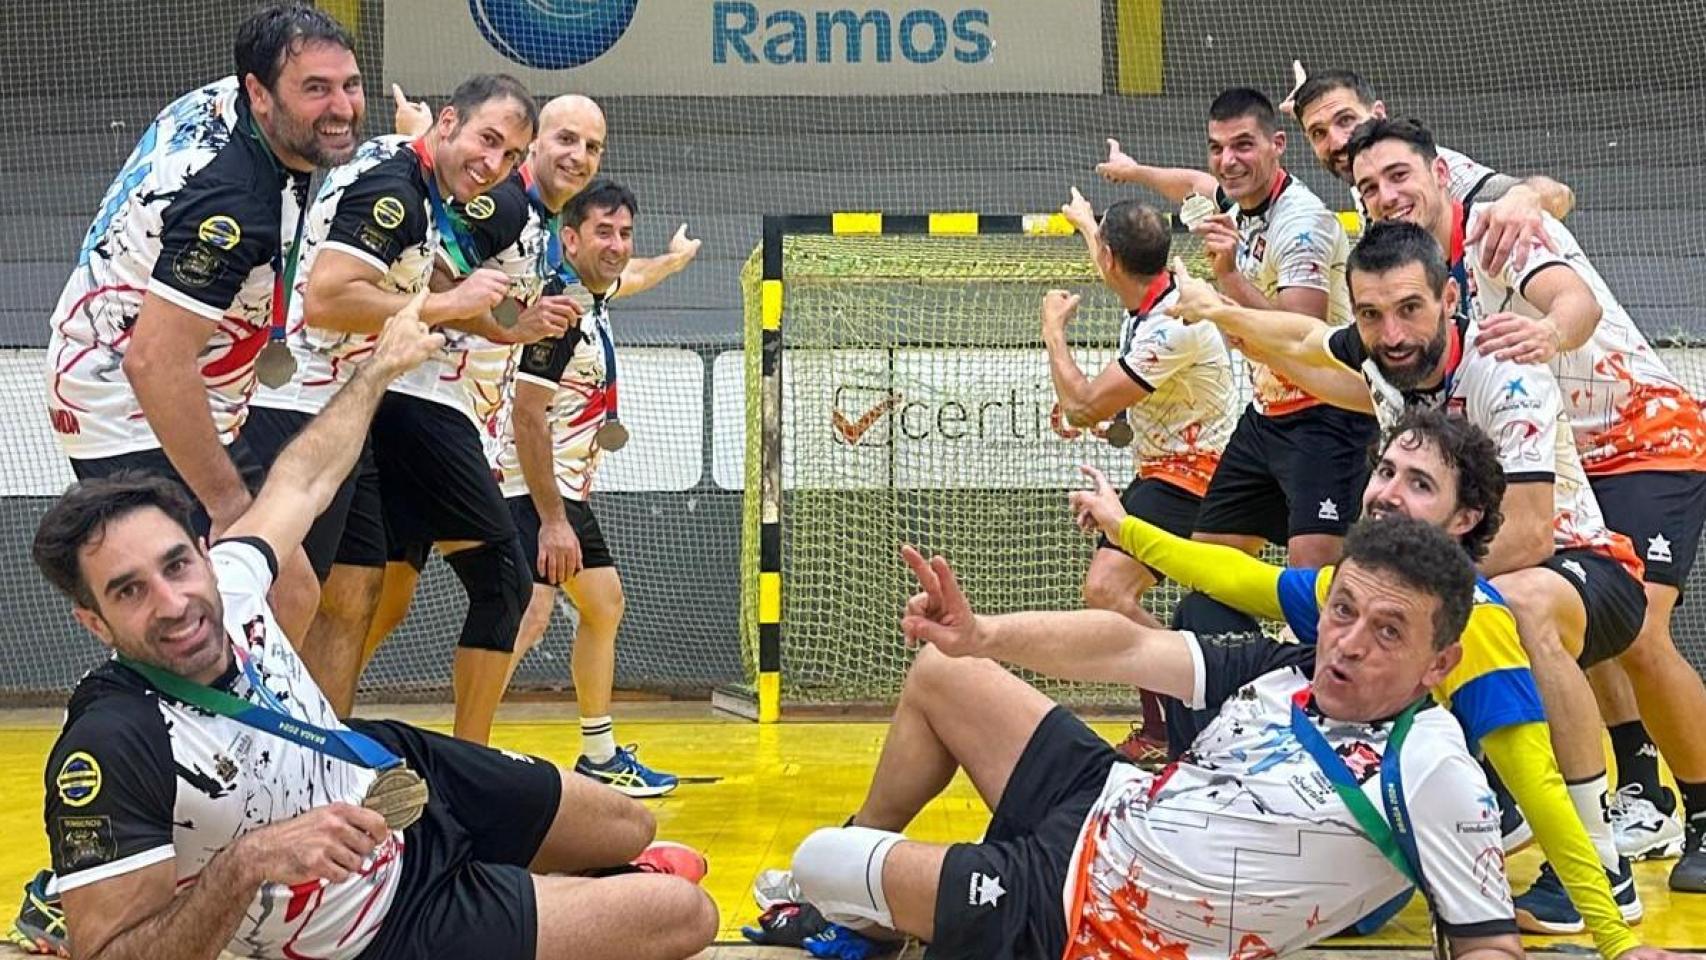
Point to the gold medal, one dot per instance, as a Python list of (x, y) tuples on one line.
[(611, 435), (399, 795), (274, 365)]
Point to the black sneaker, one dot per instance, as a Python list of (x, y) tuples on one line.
[(1689, 874)]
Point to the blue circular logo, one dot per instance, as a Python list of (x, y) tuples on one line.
[(552, 34)]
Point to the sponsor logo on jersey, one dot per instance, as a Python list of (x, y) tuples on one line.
[(985, 890), (86, 841), (79, 780), (221, 231), (481, 208), (388, 212)]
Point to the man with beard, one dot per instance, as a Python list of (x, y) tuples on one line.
[(151, 358), (1329, 105), (376, 231), (1573, 584), (1446, 472), (1640, 434)]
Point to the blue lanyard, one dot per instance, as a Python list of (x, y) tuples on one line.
[(1395, 836), (269, 716)]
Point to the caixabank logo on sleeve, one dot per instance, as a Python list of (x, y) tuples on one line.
[(552, 34)]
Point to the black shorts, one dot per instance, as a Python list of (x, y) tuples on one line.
[(1283, 477), (594, 552), (434, 481), (1171, 508), (465, 889), (1003, 897), (1661, 512), (1615, 602), (350, 530), (155, 463)]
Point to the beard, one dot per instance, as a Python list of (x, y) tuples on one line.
[(1409, 376), (300, 137)]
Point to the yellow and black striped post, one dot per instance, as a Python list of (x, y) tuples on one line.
[(772, 310)]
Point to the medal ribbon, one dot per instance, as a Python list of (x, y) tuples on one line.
[(601, 321), (346, 745), (1395, 839), (283, 268), (457, 245), (555, 265)]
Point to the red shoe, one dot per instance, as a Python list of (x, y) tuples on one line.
[(675, 859), (1141, 750)]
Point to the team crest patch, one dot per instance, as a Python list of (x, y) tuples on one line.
[(481, 208), (539, 354), (86, 842), (198, 265), (388, 212), (376, 241), (79, 780), (220, 231)]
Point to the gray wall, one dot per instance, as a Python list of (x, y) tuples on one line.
[(1603, 97)]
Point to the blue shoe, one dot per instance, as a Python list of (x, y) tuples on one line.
[(627, 775), (1546, 907), (40, 926), (839, 943)]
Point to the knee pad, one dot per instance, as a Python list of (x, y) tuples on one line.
[(495, 577), (840, 872), (1201, 613)]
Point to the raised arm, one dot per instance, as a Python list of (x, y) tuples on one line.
[(1174, 183), (643, 273), (1083, 401), (1572, 312), (1093, 645), (1224, 573), (313, 465), (1293, 344)]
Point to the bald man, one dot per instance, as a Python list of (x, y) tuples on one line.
[(563, 158)]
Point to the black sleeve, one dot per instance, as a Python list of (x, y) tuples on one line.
[(1232, 660), (212, 234), (547, 359), (1345, 344), (380, 213), (110, 787), (496, 219)]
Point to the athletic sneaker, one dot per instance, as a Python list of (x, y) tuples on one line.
[(627, 774), (1641, 830), (775, 887), (1689, 874), (786, 925), (675, 859), (839, 943), (40, 927), (1546, 907), (1141, 750)]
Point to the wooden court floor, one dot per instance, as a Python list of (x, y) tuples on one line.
[(755, 792)]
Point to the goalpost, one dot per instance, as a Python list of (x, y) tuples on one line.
[(897, 391)]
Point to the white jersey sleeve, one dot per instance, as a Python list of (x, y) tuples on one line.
[(245, 569), (1158, 347), (1519, 407), (1464, 176), (1306, 247), (1456, 822)]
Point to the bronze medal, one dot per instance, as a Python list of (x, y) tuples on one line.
[(274, 366), (399, 795), (1119, 433), (611, 435)]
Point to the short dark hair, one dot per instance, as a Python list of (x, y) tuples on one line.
[(83, 513), (602, 194), (270, 35), (1138, 237), (1324, 82), (1388, 245), (1244, 102), (1423, 558), (1380, 129), (1471, 455), (481, 88)]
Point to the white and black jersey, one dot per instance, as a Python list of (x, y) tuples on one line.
[(137, 778), (196, 216)]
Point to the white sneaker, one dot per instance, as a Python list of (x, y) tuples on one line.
[(775, 886), (1640, 830)]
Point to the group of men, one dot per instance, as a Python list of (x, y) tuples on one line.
[(325, 380), (1533, 505)]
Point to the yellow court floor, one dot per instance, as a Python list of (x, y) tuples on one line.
[(755, 792)]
